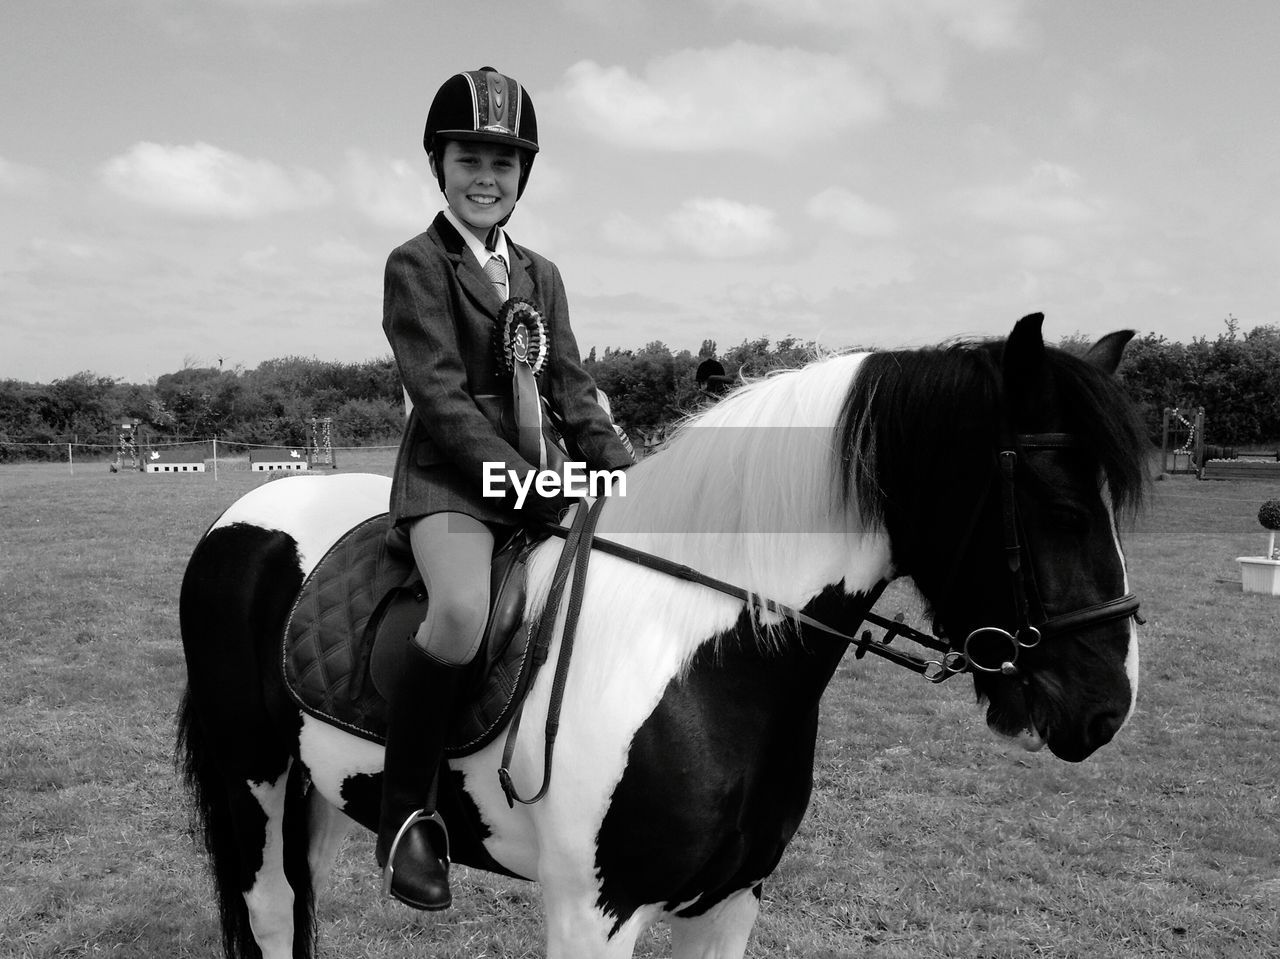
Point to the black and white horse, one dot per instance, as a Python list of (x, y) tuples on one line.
[(990, 473)]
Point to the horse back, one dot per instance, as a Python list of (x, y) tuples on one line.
[(237, 590)]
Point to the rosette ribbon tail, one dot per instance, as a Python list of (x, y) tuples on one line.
[(528, 410)]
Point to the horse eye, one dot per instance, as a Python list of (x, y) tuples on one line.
[(1069, 519)]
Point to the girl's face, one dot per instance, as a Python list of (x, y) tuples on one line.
[(481, 181)]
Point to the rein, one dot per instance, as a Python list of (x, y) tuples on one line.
[(576, 554), (935, 671), (580, 541)]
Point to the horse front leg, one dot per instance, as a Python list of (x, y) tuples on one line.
[(578, 929), (719, 933), (327, 827)]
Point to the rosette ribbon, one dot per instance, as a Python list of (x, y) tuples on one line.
[(522, 350)]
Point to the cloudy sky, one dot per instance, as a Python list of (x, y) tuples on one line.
[(188, 181)]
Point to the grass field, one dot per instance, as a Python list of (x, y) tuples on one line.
[(926, 837)]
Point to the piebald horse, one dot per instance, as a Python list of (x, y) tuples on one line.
[(991, 473)]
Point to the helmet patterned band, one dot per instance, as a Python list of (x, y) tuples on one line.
[(495, 100)]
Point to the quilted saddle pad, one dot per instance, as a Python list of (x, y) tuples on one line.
[(354, 614)]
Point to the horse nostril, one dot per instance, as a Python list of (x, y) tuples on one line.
[(1104, 726)]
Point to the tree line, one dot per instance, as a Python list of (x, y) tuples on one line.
[(1235, 376)]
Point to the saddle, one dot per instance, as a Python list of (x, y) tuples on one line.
[(349, 628)]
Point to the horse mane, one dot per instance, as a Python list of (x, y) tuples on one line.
[(782, 487), (746, 488), (746, 491), (914, 413)]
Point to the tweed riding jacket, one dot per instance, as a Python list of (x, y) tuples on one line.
[(440, 312)]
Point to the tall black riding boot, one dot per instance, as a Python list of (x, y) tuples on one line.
[(413, 844)]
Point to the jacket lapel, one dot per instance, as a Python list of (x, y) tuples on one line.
[(470, 275), (519, 282)]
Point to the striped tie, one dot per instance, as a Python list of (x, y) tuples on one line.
[(496, 270)]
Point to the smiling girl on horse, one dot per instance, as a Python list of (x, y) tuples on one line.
[(480, 331)]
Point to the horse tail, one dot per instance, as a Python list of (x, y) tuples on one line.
[(212, 823), (211, 815), (233, 731)]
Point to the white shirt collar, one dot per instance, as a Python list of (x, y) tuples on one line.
[(478, 249)]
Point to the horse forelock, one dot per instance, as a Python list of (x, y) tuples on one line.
[(1104, 420), (912, 417), (908, 419)]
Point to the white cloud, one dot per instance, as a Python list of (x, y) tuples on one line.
[(743, 96), (266, 260), (392, 193), (910, 45), (708, 227), (722, 229), (1051, 195), (53, 250), (626, 233), (1036, 252), (852, 213), (340, 252), (982, 24), (18, 178), (207, 181), (295, 4)]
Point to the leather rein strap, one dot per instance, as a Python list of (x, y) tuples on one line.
[(575, 555), (864, 645), (580, 541)]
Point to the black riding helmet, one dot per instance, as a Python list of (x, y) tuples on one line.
[(486, 106)]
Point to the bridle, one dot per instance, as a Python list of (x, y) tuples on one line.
[(1027, 633), (991, 650)]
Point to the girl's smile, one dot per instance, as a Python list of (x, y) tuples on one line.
[(481, 182)]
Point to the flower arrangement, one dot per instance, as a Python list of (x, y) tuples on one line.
[(1269, 517)]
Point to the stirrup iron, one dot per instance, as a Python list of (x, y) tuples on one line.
[(415, 817)]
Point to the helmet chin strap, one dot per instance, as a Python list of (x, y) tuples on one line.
[(439, 171)]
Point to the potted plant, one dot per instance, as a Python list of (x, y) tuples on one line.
[(1261, 574)]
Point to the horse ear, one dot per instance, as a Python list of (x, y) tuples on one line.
[(1109, 350), (1023, 362)]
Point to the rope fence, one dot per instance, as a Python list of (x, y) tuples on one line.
[(197, 451), (55, 444)]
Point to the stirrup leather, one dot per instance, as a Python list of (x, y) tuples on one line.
[(415, 817)]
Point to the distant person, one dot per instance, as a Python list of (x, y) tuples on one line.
[(480, 331)]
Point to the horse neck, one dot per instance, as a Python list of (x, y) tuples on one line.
[(748, 492)]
